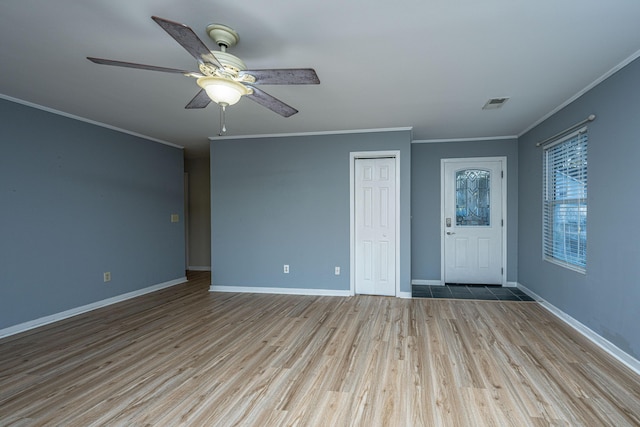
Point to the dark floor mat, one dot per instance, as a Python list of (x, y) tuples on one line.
[(477, 292)]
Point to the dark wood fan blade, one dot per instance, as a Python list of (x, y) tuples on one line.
[(142, 66), (285, 76), (201, 100), (188, 40), (272, 103)]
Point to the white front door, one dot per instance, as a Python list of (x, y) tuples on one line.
[(473, 215), (375, 226)]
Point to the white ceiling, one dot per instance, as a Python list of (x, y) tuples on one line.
[(428, 64)]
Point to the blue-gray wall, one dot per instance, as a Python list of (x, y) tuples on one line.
[(78, 200), (285, 200), (607, 297), (425, 201)]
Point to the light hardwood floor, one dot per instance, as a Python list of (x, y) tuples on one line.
[(184, 356)]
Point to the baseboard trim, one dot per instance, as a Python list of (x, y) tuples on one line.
[(427, 282), (32, 324), (291, 291), (511, 285), (280, 291), (615, 351), (199, 268)]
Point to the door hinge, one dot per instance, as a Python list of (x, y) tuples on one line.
[(501, 174), (502, 271), (502, 222)]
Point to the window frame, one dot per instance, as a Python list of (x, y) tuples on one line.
[(565, 200)]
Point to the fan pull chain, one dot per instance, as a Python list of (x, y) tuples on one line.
[(223, 127)]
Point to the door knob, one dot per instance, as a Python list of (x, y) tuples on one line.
[(450, 233)]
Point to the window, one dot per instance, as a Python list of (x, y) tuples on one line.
[(473, 201), (564, 225)]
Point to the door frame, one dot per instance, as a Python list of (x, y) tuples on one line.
[(187, 200), (503, 160), (353, 156)]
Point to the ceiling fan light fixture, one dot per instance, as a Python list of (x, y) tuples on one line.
[(222, 90), (223, 77)]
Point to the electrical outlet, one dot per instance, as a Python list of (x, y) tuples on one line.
[(337, 271), (175, 218), (106, 276), (286, 269)]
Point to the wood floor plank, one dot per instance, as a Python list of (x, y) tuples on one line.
[(185, 356)]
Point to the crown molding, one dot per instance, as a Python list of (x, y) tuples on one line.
[(333, 132), (484, 138), (593, 84), (85, 120)]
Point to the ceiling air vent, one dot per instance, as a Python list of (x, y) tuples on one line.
[(494, 103)]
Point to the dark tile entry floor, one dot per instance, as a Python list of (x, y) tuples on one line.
[(478, 292)]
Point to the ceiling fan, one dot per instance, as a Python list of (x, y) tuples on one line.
[(222, 77)]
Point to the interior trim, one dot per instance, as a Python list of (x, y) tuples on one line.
[(199, 268), (332, 132), (85, 120), (586, 89), (427, 282), (483, 138), (280, 291), (353, 156), (615, 351), (504, 209), (32, 324)]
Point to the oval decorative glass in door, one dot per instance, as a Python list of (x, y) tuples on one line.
[(473, 202)]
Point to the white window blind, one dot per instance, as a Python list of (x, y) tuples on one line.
[(565, 201)]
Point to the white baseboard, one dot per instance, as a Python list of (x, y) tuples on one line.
[(606, 345), (199, 268), (511, 285), (281, 291), (427, 282), (291, 291), (22, 327)]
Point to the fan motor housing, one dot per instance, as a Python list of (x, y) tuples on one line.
[(231, 62)]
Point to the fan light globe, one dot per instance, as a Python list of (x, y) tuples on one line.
[(222, 90)]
